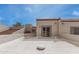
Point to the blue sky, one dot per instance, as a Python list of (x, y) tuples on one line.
[(28, 13)]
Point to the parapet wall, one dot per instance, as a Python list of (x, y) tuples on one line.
[(70, 37), (10, 37), (21, 31)]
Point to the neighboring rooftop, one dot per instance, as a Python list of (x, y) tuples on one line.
[(8, 31)]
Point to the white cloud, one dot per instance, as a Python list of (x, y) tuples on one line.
[(28, 9), (76, 13)]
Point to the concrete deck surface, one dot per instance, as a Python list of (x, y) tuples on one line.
[(28, 46)]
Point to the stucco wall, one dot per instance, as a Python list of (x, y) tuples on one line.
[(70, 37), (58, 27), (65, 27), (53, 25)]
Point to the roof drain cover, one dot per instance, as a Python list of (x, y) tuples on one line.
[(40, 48)]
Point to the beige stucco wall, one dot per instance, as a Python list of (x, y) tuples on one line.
[(57, 26), (65, 28), (48, 23), (70, 37)]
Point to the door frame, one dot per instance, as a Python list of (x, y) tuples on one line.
[(50, 30)]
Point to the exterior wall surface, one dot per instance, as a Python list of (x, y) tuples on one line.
[(28, 28), (53, 25), (64, 27), (58, 26)]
